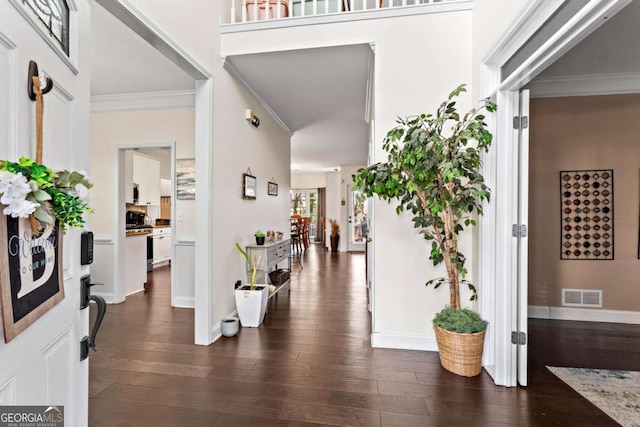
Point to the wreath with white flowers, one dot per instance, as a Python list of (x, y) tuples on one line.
[(32, 190)]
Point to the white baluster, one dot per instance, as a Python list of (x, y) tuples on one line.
[(391, 3), (267, 10), (379, 4), (255, 10), (365, 4), (302, 7), (404, 2), (326, 7), (233, 12), (416, 2), (244, 11), (315, 7), (278, 7)]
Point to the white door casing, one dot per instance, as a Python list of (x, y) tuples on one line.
[(41, 366), (496, 231), (522, 236)]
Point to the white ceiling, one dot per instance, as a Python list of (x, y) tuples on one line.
[(123, 63), (614, 48), (321, 95)]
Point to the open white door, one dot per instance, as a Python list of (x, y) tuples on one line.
[(41, 365), (521, 233), (358, 219)]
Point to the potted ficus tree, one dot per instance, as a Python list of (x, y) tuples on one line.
[(433, 171), (251, 299)]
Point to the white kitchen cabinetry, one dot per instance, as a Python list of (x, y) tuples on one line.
[(146, 173), (161, 246)]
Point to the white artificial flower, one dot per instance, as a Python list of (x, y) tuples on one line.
[(81, 192), (6, 178), (16, 190), (20, 208)]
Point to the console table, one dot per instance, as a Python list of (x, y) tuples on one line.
[(271, 254)]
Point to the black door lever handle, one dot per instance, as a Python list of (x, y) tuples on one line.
[(102, 309)]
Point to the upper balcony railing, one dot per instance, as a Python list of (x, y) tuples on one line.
[(243, 11)]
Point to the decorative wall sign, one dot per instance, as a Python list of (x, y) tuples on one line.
[(186, 179), (272, 188), (249, 186), (31, 280), (586, 230)]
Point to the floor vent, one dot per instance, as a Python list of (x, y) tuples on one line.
[(581, 298)]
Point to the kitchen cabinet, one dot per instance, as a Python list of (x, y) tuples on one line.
[(161, 245), (146, 173), (135, 247)]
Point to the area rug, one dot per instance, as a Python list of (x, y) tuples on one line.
[(616, 393)]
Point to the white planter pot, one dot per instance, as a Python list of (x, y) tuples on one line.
[(252, 305), (229, 326)]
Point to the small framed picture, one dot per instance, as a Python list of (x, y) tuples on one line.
[(272, 189), (249, 185)]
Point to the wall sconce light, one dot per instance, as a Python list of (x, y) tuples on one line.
[(251, 118)]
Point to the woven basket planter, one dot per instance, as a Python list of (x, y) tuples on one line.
[(460, 353)]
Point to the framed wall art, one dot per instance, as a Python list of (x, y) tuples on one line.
[(586, 226), (186, 179), (31, 281), (249, 186), (272, 188)]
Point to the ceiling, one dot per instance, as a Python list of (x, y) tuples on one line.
[(612, 49), (123, 63), (320, 94)]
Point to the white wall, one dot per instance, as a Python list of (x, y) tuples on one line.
[(418, 61), (194, 25), (302, 181), (491, 18)]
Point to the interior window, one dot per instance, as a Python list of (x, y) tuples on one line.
[(54, 16)]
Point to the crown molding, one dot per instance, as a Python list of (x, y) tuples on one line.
[(585, 85), (231, 69), (143, 101)]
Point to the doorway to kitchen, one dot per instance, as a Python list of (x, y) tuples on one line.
[(146, 208)]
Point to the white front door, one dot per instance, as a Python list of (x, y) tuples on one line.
[(358, 220), (41, 365), (522, 235)]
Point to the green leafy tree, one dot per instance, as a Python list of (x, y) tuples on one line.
[(433, 171)]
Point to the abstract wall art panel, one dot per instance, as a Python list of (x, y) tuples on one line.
[(586, 226)]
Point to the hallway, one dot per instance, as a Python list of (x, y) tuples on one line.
[(309, 364)]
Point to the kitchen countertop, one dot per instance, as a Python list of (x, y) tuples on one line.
[(138, 232)]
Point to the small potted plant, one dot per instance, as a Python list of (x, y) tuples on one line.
[(334, 237), (433, 171), (259, 238), (251, 299)]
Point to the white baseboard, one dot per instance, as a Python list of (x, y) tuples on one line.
[(108, 297), (134, 292), (584, 314), (185, 302), (216, 331), (404, 342)]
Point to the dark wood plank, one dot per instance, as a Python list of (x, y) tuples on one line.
[(311, 364)]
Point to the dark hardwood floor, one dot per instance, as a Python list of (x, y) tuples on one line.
[(311, 364)]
